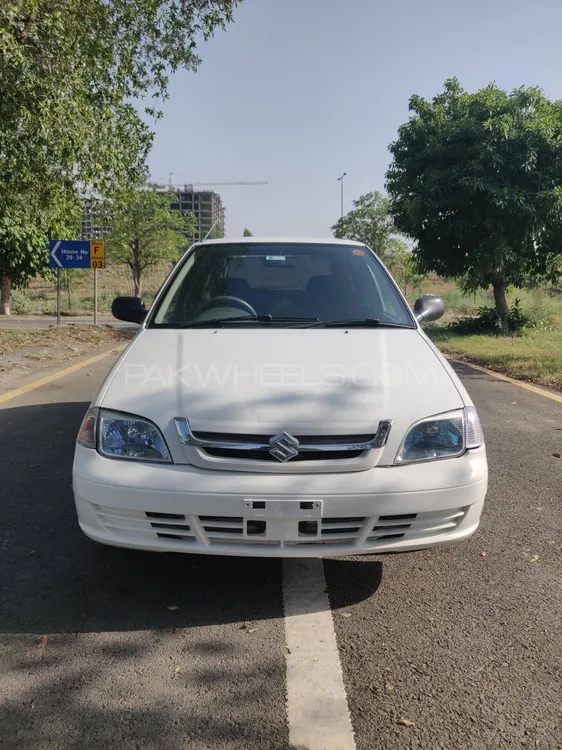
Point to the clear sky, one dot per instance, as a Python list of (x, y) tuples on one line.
[(296, 92)]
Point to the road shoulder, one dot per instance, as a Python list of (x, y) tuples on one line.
[(29, 354), (543, 391), (41, 376)]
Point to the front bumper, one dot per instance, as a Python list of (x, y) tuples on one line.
[(182, 508)]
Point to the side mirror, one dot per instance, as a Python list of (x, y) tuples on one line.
[(428, 308), (131, 309)]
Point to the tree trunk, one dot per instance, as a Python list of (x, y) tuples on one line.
[(5, 294), (499, 286), (137, 270), (137, 283), (67, 285)]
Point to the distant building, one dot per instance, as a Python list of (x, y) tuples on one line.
[(208, 209), (206, 205), (94, 224)]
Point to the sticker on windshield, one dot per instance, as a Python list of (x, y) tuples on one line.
[(358, 252), (281, 258)]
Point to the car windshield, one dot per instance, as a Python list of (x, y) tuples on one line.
[(287, 284)]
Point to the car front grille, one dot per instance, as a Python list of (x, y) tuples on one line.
[(143, 525), (216, 531), (412, 525), (263, 454), (283, 452)]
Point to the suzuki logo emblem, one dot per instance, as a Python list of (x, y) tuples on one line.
[(283, 447)]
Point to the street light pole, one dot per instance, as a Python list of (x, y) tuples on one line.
[(340, 180)]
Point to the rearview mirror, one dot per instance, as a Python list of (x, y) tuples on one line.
[(131, 309), (428, 308)]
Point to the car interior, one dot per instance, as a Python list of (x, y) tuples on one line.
[(317, 285)]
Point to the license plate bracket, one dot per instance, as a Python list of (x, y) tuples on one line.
[(297, 509)]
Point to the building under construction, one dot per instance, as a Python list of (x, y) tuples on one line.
[(207, 207), (95, 220)]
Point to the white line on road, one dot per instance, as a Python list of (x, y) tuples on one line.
[(317, 709)]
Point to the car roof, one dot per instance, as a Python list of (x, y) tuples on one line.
[(283, 240)]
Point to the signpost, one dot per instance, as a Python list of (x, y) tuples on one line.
[(77, 254), (97, 260)]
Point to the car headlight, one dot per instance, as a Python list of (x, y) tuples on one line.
[(124, 436), (443, 436)]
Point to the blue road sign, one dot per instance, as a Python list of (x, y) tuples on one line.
[(69, 254)]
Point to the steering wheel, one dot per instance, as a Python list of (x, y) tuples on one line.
[(227, 301)]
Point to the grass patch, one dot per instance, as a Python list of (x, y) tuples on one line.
[(71, 341), (40, 297), (536, 355), (543, 307)]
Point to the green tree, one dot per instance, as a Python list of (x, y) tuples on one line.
[(25, 230), (216, 232), (69, 70), (371, 223), (476, 182), (247, 233), (146, 231), (404, 267)]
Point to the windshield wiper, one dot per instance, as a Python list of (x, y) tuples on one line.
[(243, 319), (356, 323)]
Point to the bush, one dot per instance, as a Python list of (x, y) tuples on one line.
[(104, 301), (540, 309), (21, 305), (488, 321), (24, 303)]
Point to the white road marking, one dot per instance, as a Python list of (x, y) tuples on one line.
[(317, 709)]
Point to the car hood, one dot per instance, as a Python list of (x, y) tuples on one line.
[(264, 381)]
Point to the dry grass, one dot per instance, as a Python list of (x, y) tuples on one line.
[(65, 342), (40, 298)]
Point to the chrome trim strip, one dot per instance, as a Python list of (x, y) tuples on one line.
[(187, 437)]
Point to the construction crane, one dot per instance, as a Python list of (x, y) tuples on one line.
[(190, 185), (185, 185)]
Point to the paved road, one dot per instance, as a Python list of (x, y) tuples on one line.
[(466, 646), (44, 321)]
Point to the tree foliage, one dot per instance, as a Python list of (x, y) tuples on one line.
[(69, 70), (404, 267), (26, 225), (371, 222), (145, 230), (476, 181), (247, 233)]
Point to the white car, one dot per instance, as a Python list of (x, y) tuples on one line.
[(280, 400)]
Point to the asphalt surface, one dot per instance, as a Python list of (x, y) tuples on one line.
[(466, 645)]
